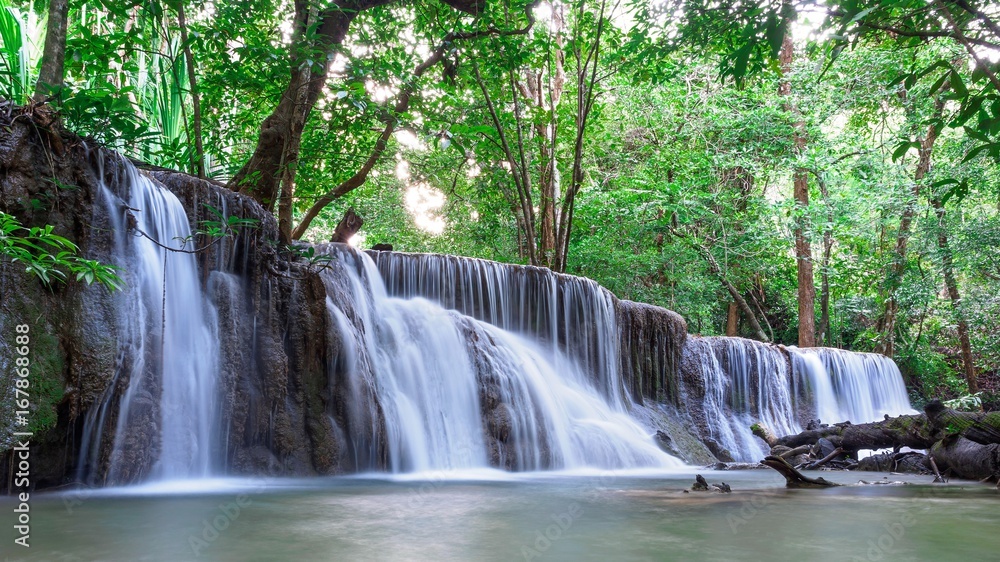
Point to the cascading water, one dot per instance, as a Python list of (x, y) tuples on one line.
[(168, 344), (460, 393), (745, 382), (571, 314), (449, 363), (850, 386)]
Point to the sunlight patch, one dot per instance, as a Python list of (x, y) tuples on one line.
[(424, 202)]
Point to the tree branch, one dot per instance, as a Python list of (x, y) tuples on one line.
[(391, 121)]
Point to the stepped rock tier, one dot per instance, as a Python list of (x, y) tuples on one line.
[(240, 359)]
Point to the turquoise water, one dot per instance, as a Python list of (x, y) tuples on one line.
[(497, 516)]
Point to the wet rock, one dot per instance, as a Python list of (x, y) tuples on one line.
[(824, 448), (909, 462), (702, 485)]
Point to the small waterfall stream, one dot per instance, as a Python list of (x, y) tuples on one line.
[(168, 358), (850, 386)]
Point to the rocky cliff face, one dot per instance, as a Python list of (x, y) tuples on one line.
[(278, 395)]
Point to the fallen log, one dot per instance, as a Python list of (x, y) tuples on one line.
[(809, 436), (794, 478), (968, 459), (982, 428), (834, 454), (967, 444), (765, 433), (911, 431)]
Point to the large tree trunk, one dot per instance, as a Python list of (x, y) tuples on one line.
[(732, 319), (947, 267), (967, 459), (54, 54), (800, 180), (275, 157), (281, 132)]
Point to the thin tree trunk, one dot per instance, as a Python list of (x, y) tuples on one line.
[(887, 324), (523, 196), (825, 331), (803, 249), (54, 54), (586, 94), (391, 120), (947, 267), (195, 97), (715, 269)]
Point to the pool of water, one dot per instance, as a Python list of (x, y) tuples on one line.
[(498, 516)]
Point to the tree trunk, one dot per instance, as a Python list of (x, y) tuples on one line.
[(967, 459), (794, 478), (887, 323), (276, 155), (732, 319), (281, 132), (543, 90), (347, 227), (947, 267), (967, 443), (803, 249), (54, 54), (587, 80), (825, 332), (195, 97), (714, 267)]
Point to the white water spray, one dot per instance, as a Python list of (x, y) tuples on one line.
[(168, 335)]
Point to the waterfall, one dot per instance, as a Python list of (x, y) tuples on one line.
[(429, 362), (742, 382), (570, 314), (850, 386), (456, 392), (166, 421)]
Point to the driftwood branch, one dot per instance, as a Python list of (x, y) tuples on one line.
[(794, 478)]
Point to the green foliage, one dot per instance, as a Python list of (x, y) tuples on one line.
[(224, 226), (51, 257), (688, 141), (966, 402), (20, 52)]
